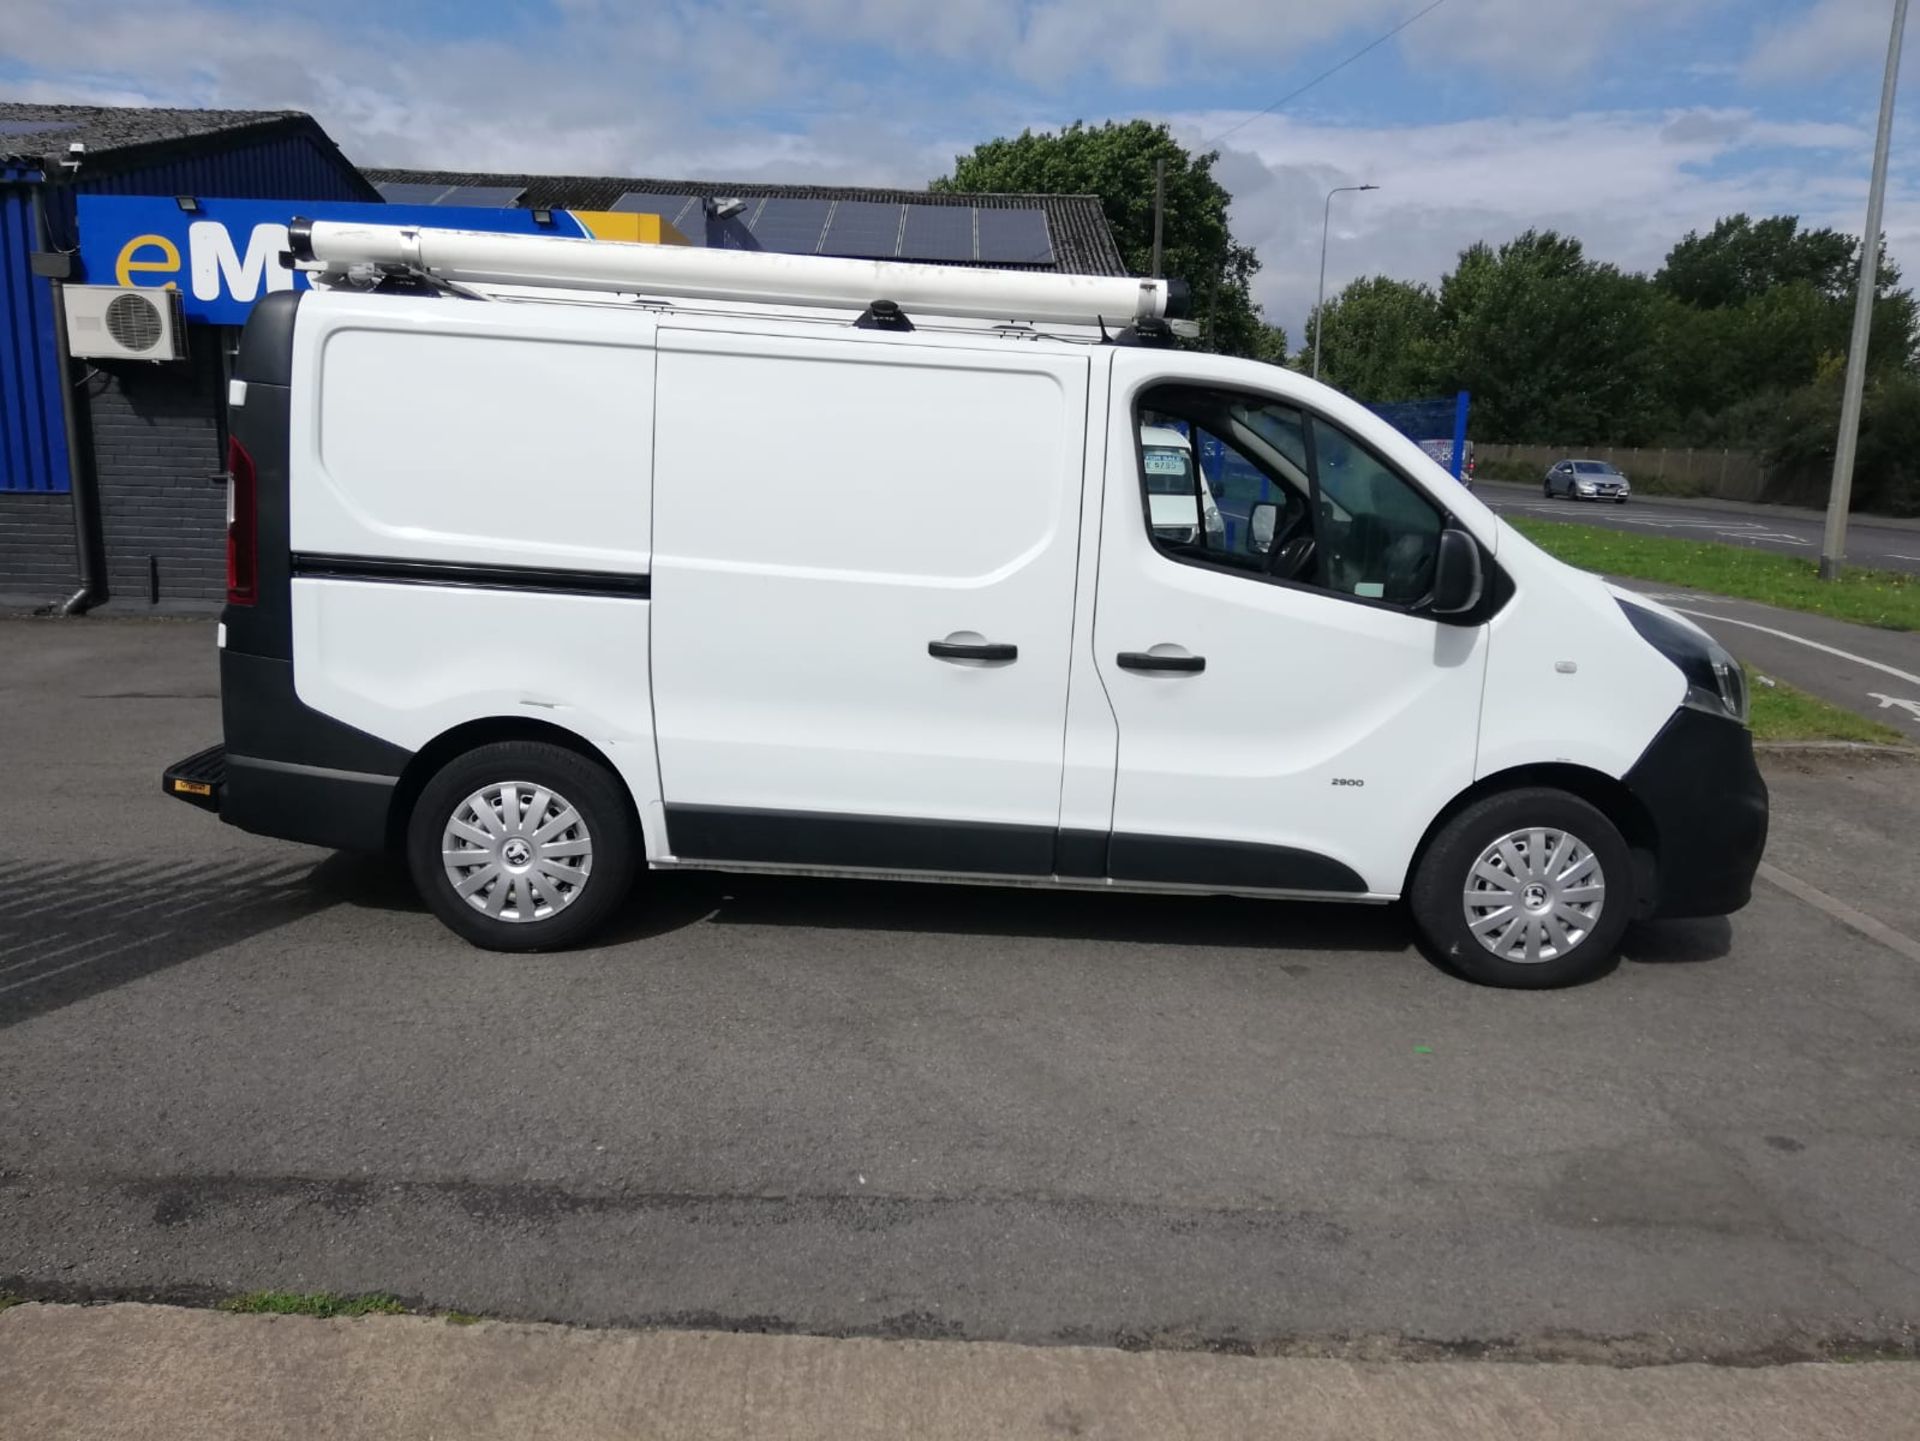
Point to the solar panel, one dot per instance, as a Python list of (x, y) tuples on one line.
[(410, 192), (790, 227), (1015, 237), (938, 232), (34, 127), (670, 208), (482, 195), (864, 229)]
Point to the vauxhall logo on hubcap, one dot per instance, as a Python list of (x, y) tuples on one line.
[(516, 852)]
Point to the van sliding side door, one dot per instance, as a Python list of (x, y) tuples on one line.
[(863, 576)]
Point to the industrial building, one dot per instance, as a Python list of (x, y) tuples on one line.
[(112, 466)]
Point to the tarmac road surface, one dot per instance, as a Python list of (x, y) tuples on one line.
[(1871, 541), (927, 1111)]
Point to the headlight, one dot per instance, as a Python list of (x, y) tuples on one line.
[(1715, 682), (1587, 486)]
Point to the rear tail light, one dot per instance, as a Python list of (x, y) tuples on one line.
[(243, 527)]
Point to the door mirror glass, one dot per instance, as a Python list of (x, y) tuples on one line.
[(1262, 520), (1457, 577)]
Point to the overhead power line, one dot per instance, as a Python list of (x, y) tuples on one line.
[(1329, 74)]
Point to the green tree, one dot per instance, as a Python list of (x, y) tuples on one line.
[(1115, 162), (1382, 340), (1801, 430), (1551, 344), (1742, 258)]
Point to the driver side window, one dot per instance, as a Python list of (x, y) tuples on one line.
[(1381, 537), (1280, 495)]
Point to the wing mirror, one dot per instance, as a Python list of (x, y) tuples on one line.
[(1457, 576), (1261, 522)]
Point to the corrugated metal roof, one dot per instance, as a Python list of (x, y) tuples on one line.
[(120, 138), (1082, 242)]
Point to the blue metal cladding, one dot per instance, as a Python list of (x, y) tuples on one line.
[(278, 167), (33, 452), (33, 442)]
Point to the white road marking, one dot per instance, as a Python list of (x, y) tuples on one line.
[(1906, 676), (1888, 702), (1840, 911)]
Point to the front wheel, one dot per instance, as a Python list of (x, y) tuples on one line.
[(522, 846), (1529, 889)]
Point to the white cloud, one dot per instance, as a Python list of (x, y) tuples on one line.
[(765, 89), (1627, 184), (1827, 37)]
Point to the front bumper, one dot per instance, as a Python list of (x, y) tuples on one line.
[(1701, 788)]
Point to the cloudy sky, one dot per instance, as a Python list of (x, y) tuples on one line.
[(1626, 122)]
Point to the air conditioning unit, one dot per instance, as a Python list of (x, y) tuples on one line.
[(123, 322)]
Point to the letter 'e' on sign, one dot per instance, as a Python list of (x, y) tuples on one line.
[(147, 254)]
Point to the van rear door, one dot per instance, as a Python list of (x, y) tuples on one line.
[(863, 590)]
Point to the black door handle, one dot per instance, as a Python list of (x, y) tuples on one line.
[(954, 650), (1141, 660)]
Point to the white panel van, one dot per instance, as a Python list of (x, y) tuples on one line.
[(544, 587)]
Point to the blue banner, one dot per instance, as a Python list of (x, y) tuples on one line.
[(225, 254)]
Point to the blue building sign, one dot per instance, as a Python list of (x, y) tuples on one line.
[(225, 254)]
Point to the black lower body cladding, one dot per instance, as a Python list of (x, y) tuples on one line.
[(294, 773), (1700, 786)]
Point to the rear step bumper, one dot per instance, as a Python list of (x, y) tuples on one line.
[(199, 780)]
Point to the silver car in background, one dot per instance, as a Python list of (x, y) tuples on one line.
[(1586, 480)]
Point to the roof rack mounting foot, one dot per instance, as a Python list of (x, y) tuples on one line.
[(883, 315)]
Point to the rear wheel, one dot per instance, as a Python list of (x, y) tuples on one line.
[(522, 846), (1528, 889)]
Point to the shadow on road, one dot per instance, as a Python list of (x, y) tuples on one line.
[(669, 901), (1677, 943), (68, 932)]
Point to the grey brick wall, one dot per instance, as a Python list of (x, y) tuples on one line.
[(153, 438), (156, 439), (36, 548)]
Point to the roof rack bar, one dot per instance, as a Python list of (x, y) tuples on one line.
[(764, 277)]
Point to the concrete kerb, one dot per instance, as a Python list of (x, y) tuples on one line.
[(163, 1373)]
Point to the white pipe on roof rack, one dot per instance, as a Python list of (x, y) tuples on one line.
[(474, 257)]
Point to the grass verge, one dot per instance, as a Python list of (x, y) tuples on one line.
[(312, 1303), (1881, 598), (1784, 713)]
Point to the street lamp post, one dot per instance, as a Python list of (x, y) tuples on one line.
[(1833, 548), (1320, 310)]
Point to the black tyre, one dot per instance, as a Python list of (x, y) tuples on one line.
[(1528, 889), (1546, 489), (522, 846)]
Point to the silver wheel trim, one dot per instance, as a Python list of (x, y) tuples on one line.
[(517, 851), (1534, 895)]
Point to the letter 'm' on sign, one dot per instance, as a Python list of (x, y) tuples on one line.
[(130, 259), (219, 271)]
